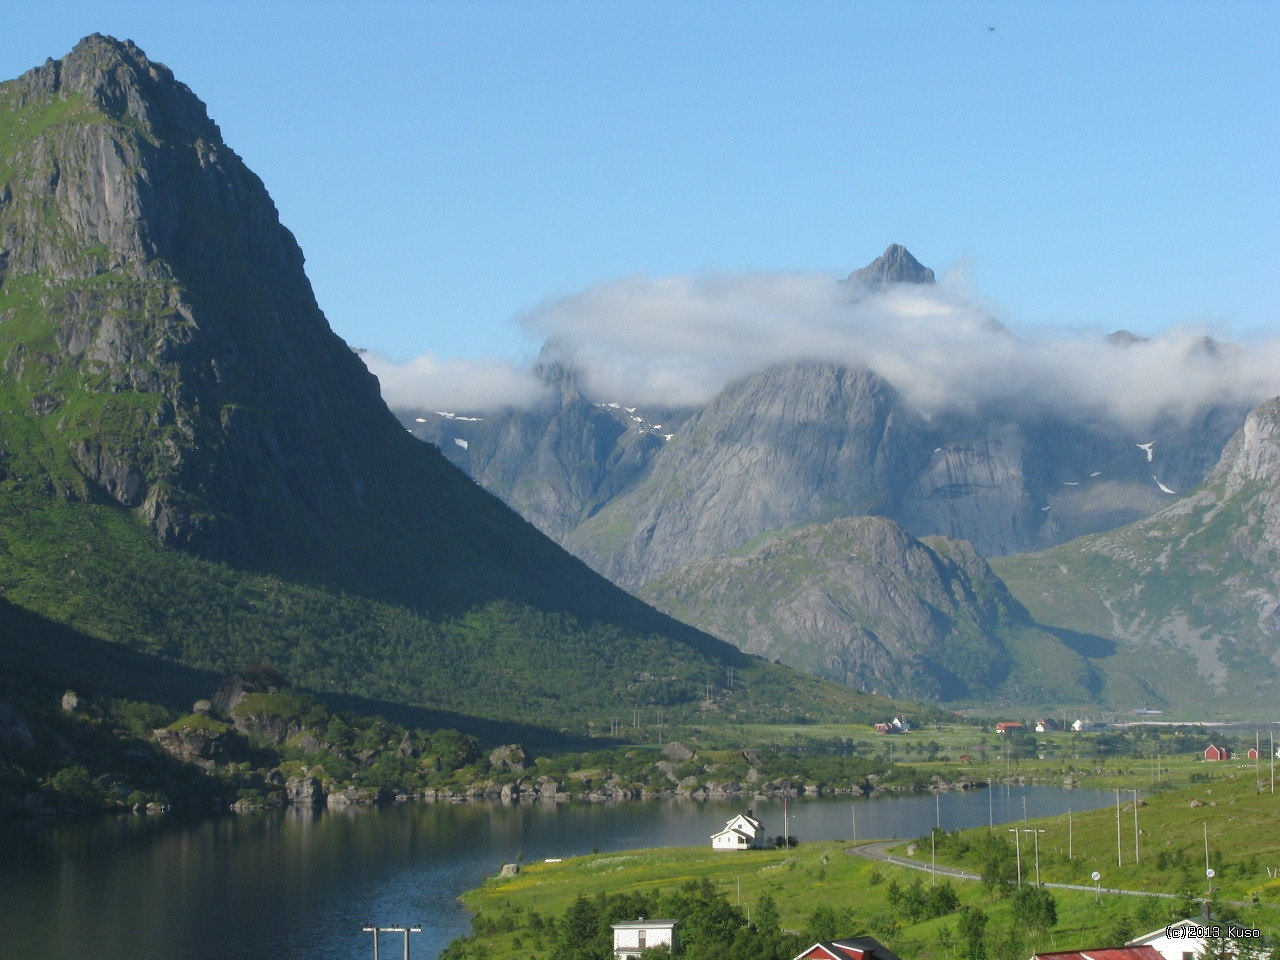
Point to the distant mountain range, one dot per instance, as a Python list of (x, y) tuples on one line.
[(733, 515), (193, 464)]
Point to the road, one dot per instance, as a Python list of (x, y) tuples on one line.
[(879, 850)]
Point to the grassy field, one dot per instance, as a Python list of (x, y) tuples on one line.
[(1244, 848)]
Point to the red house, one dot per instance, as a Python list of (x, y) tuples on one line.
[(1008, 726), (1145, 952), (854, 948), (1213, 752), (1253, 753)]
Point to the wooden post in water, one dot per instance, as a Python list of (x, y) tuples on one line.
[(406, 930)]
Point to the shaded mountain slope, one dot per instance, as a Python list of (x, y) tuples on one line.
[(1190, 594)]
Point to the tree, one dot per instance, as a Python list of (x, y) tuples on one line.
[(766, 917), (999, 867), (828, 923), (943, 900), (972, 924), (577, 932), (1035, 909)]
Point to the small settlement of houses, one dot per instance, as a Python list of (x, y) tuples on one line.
[(1183, 940)]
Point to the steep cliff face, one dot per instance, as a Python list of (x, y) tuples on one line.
[(1192, 592), (163, 351), (172, 296), (557, 463), (792, 444)]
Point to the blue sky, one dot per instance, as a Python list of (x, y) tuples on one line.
[(451, 167)]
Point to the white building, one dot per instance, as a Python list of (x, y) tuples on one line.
[(634, 937), (1177, 941), (743, 832)]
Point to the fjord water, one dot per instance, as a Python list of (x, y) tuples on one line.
[(301, 883)]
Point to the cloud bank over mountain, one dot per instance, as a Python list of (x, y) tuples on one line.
[(429, 383), (678, 340)]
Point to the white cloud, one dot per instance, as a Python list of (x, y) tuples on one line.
[(427, 383), (678, 340)]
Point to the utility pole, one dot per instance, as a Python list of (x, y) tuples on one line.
[(1017, 842), (1035, 833), (406, 930), (1137, 854), (1119, 856), (937, 807), (1070, 837), (853, 810), (991, 824), (933, 857), (1024, 809), (786, 833)]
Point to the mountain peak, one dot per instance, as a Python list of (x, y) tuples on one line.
[(119, 79), (895, 265)]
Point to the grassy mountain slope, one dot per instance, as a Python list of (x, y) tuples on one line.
[(1187, 597), (862, 602), (194, 465)]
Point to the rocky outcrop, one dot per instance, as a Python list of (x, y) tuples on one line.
[(206, 745), (509, 757), (240, 684)]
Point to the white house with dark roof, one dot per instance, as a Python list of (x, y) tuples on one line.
[(743, 832), (1183, 940)]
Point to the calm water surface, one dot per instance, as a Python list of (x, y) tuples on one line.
[(293, 884)]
